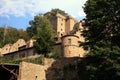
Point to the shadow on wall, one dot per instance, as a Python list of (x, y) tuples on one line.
[(63, 69), (9, 72)]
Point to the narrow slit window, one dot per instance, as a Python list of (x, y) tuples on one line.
[(69, 41)]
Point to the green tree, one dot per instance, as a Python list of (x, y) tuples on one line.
[(43, 32), (1, 37), (55, 11), (101, 64), (11, 35), (8, 35), (102, 21), (102, 33), (23, 34)]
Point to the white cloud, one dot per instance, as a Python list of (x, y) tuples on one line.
[(32, 7)]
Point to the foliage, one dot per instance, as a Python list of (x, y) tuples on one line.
[(37, 60), (55, 11), (43, 32), (101, 64), (23, 34), (102, 33), (102, 21), (55, 55), (11, 35)]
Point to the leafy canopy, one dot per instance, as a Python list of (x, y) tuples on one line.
[(101, 64), (43, 32), (55, 11), (102, 33), (11, 35), (102, 21)]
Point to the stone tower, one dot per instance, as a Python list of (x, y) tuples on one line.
[(70, 46), (63, 25), (68, 32), (60, 25), (69, 24)]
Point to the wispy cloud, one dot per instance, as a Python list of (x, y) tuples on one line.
[(32, 7)]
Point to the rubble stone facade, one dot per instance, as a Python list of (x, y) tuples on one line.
[(51, 69), (29, 71), (71, 46), (8, 48)]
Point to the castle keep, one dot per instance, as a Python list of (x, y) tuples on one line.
[(68, 32)]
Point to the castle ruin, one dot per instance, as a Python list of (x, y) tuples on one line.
[(68, 38)]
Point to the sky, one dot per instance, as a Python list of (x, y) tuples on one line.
[(18, 13)]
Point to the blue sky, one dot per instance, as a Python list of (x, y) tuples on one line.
[(18, 13)]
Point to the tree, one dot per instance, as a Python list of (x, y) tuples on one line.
[(55, 11), (11, 35), (102, 38), (1, 37), (43, 32), (102, 21), (23, 34), (101, 64)]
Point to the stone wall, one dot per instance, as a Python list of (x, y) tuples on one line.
[(70, 23), (61, 69), (19, 43), (71, 46), (51, 69), (12, 47), (60, 25), (5, 49), (25, 53), (57, 48), (29, 71)]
